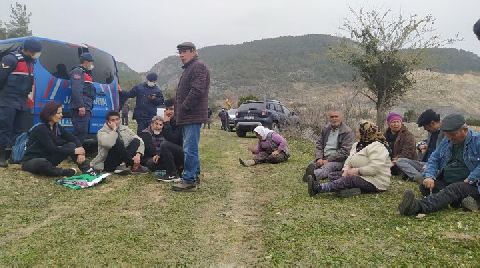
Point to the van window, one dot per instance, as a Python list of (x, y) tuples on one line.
[(104, 71), (59, 59)]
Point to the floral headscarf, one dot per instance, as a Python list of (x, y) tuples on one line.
[(368, 134)]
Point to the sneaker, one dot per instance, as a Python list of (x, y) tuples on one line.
[(166, 178), (91, 171), (309, 171), (69, 172), (139, 169), (122, 169), (349, 192), (408, 206), (469, 203), (184, 186)]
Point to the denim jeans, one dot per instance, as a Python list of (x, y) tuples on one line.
[(191, 139)]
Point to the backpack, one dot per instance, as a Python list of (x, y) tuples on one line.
[(20, 146)]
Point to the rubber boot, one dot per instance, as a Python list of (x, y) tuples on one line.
[(3, 159)]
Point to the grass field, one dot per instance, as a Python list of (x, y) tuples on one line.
[(238, 217)]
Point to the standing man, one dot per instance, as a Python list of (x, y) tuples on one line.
[(223, 114), (16, 82), (209, 115), (83, 95), (125, 111), (149, 98), (191, 102)]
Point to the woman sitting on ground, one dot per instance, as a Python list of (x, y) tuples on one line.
[(49, 144), (271, 148), (401, 141), (367, 169)]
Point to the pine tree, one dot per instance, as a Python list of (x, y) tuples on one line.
[(19, 21)]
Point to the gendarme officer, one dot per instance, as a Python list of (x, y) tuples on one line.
[(83, 96), (16, 82)]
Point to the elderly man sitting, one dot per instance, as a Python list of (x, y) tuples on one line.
[(454, 168), (332, 148)]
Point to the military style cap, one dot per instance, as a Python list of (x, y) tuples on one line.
[(32, 45), (186, 45), (86, 57), (452, 122)]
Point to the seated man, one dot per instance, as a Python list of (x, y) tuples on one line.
[(453, 168), (118, 148), (400, 141), (332, 147), (160, 153), (413, 169), (171, 131)]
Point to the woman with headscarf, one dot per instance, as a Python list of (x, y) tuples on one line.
[(271, 148), (400, 141), (367, 169)]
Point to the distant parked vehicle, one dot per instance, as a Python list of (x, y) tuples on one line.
[(232, 114), (270, 113)]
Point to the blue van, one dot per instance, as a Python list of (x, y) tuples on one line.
[(52, 82)]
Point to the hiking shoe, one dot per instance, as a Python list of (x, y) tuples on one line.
[(184, 186), (469, 203), (309, 171), (166, 178), (139, 169), (408, 206), (69, 172), (122, 169), (349, 192)]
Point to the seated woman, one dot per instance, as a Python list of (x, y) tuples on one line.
[(271, 148), (367, 169), (400, 141), (49, 144), (160, 153)]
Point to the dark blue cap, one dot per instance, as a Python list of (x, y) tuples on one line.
[(86, 57), (152, 77), (476, 29), (169, 103), (32, 45)]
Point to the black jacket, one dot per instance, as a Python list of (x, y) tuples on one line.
[(44, 141), (172, 132)]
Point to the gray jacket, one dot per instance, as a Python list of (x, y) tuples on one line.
[(346, 137), (107, 139)]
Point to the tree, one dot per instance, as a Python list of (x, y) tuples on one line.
[(19, 21), (243, 99), (3, 31), (385, 51)]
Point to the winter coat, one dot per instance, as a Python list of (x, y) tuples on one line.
[(106, 140), (191, 100), (404, 146), (373, 163), (346, 137), (145, 108)]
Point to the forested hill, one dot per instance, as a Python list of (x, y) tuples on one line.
[(294, 59)]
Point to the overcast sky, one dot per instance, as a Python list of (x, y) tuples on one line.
[(143, 32)]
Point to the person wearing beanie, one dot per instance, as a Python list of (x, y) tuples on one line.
[(476, 29), (413, 169), (17, 68), (400, 140), (148, 98), (452, 173)]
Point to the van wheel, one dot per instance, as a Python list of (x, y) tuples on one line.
[(241, 134)]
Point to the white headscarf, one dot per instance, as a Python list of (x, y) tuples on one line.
[(262, 131)]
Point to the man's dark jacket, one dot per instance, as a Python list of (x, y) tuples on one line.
[(191, 100)]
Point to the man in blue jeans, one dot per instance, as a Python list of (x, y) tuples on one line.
[(191, 105)]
